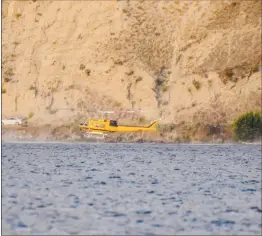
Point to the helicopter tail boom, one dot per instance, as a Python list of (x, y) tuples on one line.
[(153, 125)]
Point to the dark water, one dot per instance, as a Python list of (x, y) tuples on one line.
[(131, 189)]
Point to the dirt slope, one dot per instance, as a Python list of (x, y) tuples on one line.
[(196, 61)]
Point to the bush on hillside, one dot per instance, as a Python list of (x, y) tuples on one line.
[(30, 114), (17, 15), (196, 84), (248, 126)]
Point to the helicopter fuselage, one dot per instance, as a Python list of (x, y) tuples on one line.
[(112, 126)]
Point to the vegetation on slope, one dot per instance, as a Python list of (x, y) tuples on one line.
[(248, 126)]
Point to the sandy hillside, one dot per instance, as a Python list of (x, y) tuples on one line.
[(196, 61)]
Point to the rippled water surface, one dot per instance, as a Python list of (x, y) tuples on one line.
[(130, 189)]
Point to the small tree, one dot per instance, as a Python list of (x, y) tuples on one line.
[(248, 126)]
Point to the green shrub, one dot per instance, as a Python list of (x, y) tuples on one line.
[(3, 90), (164, 89), (30, 114), (248, 126), (196, 84)]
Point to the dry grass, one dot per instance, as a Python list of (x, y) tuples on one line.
[(53, 111), (229, 75), (130, 72), (6, 80), (142, 120), (229, 72), (55, 86), (82, 67), (18, 15), (138, 79), (117, 104), (166, 128), (32, 87), (118, 62), (88, 72)]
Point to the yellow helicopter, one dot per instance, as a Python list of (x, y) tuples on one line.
[(105, 126)]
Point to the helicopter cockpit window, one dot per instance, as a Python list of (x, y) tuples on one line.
[(113, 123)]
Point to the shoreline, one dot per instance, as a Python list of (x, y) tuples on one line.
[(131, 143), (70, 135)]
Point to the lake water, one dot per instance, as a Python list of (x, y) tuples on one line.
[(114, 188)]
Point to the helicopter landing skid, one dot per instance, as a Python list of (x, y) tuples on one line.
[(95, 135)]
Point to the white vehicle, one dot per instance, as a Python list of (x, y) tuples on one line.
[(13, 121)]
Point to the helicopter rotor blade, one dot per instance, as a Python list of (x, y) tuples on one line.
[(101, 111), (106, 111)]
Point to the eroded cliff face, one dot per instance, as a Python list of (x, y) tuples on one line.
[(196, 61)]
